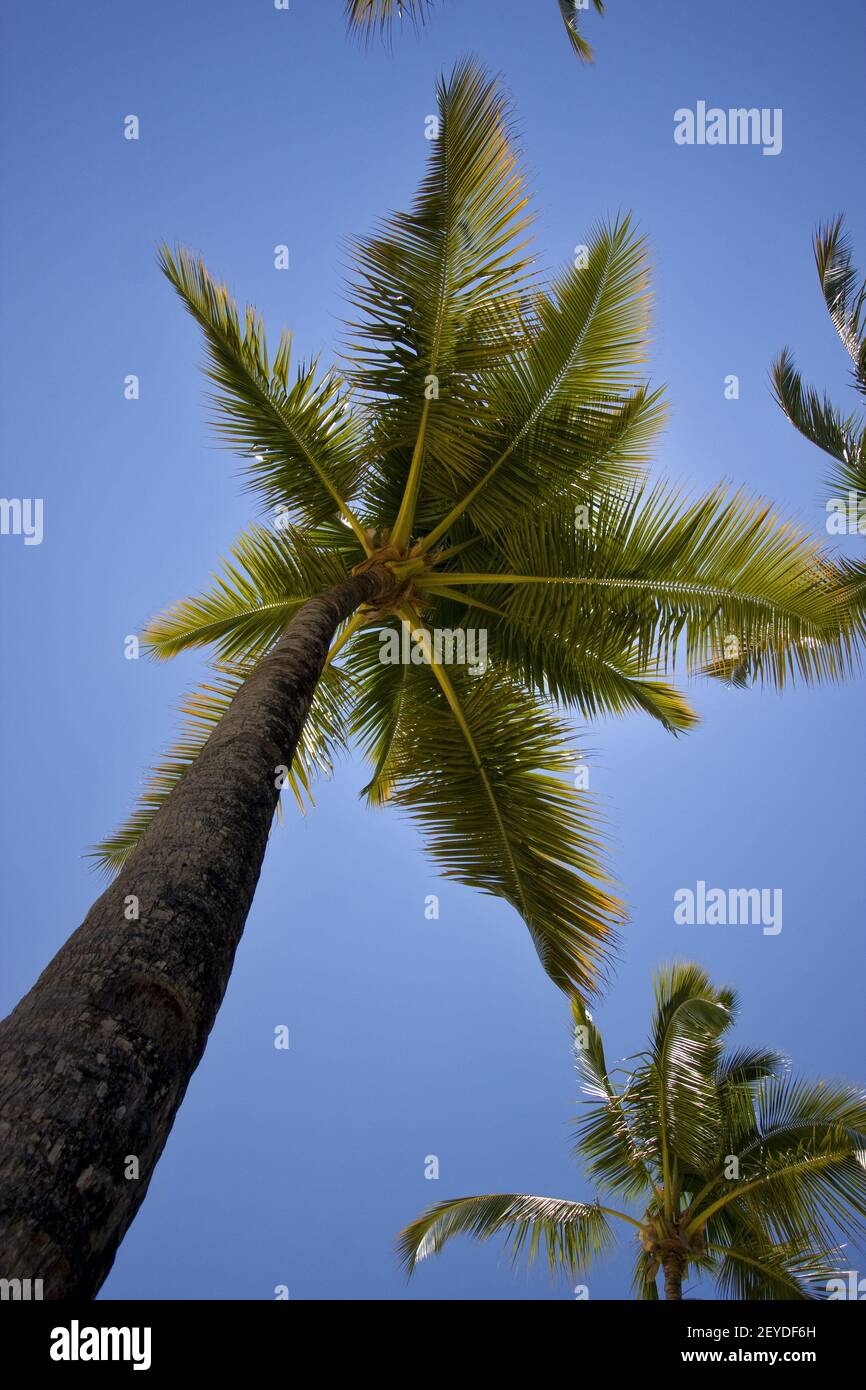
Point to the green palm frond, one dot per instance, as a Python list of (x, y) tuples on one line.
[(800, 1154), (380, 707), (268, 577), (598, 672), (851, 591), (842, 437), (572, 1234), (506, 822), (442, 294), (758, 1270), (816, 418), (302, 447), (570, 11), (615, 1158), (690, 1019), (803, 1197), (645, 1277), (583, 359), (724, 574), (845, 299)]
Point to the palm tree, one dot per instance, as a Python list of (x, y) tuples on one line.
[(743, 1171), (475, 469), (842, 437), (368, 15)]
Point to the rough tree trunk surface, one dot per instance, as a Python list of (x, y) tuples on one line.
[(674, 1267), (95, 1060)]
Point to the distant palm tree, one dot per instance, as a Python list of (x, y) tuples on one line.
[(366, 15), (842, 437), (475, 471), (743, 1171)]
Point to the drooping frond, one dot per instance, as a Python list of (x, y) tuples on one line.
[(571, 11), (760, 1270), (572, 1234), (841, 436), (380, 705), (366, 16), (615, 1158), (845, 299), (817, 419), (482, 768)]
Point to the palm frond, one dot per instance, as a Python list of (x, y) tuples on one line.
[(816, 418), (690, 1018), (570, 11), (845, 299), (481, 768), (302, 447), (581, 364), (379, 706), (267, 578), (724, 573), (801, 1162), (367, 16), (571, 1233), (598, 673), (614, 1157), (442, 294), (758, 1270)]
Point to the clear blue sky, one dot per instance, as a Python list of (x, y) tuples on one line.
[(408, 1037)]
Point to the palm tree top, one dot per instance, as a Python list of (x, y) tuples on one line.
[(483, 447), (728, 1164)]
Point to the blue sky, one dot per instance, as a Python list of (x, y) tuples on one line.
[(408, 1037)]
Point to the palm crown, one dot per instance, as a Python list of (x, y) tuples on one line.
[(743, 1171), (368, 15), (484, 446), (842, 437)]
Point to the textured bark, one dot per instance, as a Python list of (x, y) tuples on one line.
[(674, 1267), (95, 1060)]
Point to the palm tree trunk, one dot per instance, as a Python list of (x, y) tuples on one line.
[(97, 1057), (674, 1268)]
